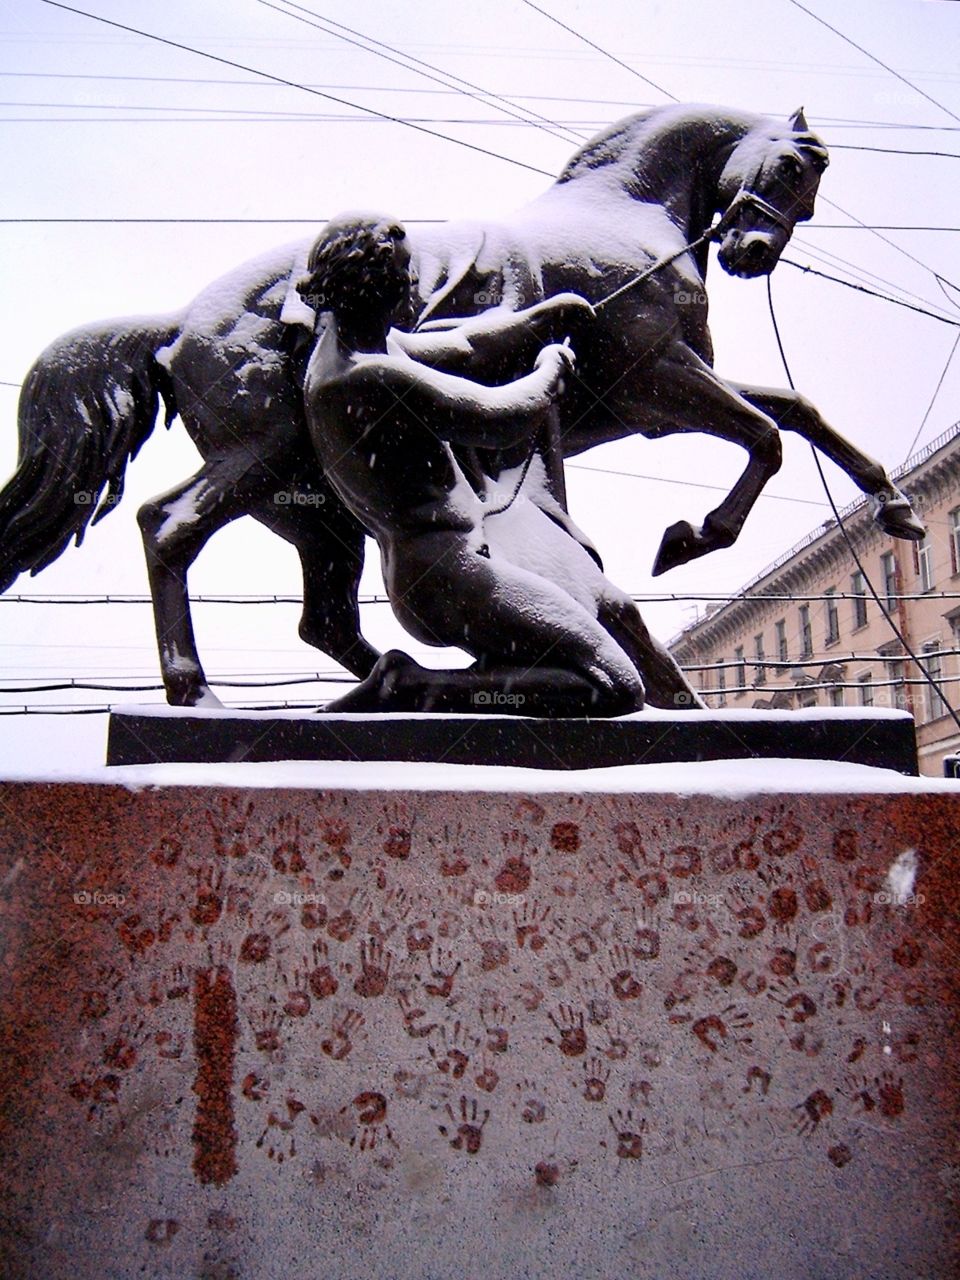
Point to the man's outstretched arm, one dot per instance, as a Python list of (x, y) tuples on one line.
[(457, 408), (480, 343)]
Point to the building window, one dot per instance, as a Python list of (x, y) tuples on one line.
[(934, 703), (806, 698), (893, 663), (833, 617), (721, 684), (836, 696), (783, 653), (955, 540), (806, 632), (740, 674), (865, 689), (888, 569), (761, 670), (858, 587), (923, 561)]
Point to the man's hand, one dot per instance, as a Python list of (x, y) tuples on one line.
[(561, 314), (558, 359)]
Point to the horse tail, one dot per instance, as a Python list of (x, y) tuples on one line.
[(86, 407)]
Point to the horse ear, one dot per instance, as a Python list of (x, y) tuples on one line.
[(798, 121)]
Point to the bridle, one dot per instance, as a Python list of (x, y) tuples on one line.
[(745, 196)]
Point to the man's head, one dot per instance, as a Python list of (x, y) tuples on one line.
[(359, 267)]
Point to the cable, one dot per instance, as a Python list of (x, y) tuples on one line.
[(540, 122), (293, 84), (872, 292), (867, 54), (606, 53), (835, 659), (686, 484), (828, 258), (892, 151), (933, 398), (202, 221), (876, 226), (60, 686), (886, 240), (846, 537)]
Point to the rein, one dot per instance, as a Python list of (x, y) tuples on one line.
[(743, 196)]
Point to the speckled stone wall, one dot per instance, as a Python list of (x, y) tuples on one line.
[(276, 1034)]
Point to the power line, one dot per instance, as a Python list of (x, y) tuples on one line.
[(687, 484), (834, 122), (215, 222), (934, 684), (870, 278), (876, 226), (801, 664), (873, 58), (872, 292), (652, 597), (293, 84), (933, 398), (606, 53), (317, 220), (893, 151), (892, 243), (88, 685), (472, 90)]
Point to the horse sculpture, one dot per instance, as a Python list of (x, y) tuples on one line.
[(627, 225)]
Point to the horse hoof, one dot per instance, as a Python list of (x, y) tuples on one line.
[(680, 543), (894, 514), (382, 690)]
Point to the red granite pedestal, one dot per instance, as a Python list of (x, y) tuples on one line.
[(357, 1034)]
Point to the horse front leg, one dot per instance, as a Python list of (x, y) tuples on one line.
[(793, 412), (330, 543), (681, 393)]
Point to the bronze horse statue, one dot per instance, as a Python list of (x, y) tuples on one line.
[(627, 225)]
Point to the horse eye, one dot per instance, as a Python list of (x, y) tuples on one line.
[(790, 169)]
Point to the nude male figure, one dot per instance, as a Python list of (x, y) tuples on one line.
[(392, 434)]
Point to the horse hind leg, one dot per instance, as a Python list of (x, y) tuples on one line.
[(175, 527)]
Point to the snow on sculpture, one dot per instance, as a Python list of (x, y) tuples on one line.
[(627, 226)]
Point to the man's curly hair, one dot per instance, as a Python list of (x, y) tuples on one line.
[(352, 268)]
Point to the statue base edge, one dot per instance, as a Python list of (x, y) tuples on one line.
[(139, 736)]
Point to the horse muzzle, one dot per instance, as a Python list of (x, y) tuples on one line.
[(751, 253)]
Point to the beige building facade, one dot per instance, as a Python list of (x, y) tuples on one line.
[(807, 631)]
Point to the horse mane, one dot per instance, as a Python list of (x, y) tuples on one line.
[(606, 147)]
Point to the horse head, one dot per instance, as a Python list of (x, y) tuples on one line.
[(768, 185)]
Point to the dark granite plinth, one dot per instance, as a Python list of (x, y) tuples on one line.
[(885, 740)]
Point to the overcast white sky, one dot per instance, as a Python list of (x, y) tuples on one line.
[(96, 123)]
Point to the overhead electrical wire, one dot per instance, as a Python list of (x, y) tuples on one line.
[(873, 58), (933, 398), (836, 262), (429, 70), (897, 631), (606, 53), (872, 292), (293, 84), (380, 115)]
